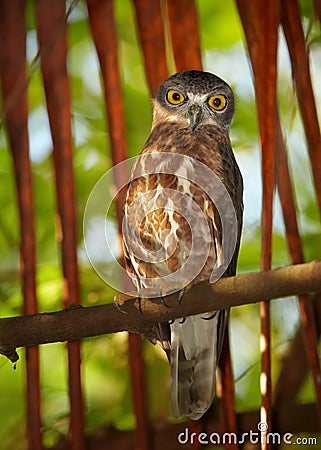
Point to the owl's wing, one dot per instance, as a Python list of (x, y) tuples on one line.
[(195, 348)]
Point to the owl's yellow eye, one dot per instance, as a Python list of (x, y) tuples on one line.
[(175, 97), (217, 102)]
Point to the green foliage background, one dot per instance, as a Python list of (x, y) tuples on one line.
[(105, 367)]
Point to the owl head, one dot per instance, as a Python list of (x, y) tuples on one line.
[(194, 98)]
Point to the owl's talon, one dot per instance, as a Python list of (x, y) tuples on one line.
[(163, 301), (210, 317), (139, 302), (117, 306), (183, 320), (181, 294)]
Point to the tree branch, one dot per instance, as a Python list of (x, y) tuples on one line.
[(79, 322)]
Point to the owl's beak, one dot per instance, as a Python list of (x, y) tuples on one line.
[(195, 115)]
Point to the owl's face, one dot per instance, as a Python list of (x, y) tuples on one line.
[(194, 98)]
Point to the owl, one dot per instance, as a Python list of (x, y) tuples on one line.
[(169, 216)]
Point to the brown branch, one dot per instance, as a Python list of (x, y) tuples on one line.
[(186, 46), (306, 340), (103, 27), (79, 322), (294, 35), (15, 111), (50, 17), (151, 32)]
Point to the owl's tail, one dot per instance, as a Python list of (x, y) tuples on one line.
[(195, 347)]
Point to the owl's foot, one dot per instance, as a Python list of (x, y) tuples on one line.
[(118, 306), (139, 302), (145, 291), (162, 299), (120, 299), (181, 321)]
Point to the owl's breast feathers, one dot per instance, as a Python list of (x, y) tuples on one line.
[(165, 230)]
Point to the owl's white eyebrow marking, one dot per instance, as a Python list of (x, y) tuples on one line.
[(197, 98)]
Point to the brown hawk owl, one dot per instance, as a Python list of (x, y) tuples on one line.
[(192, 114)]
